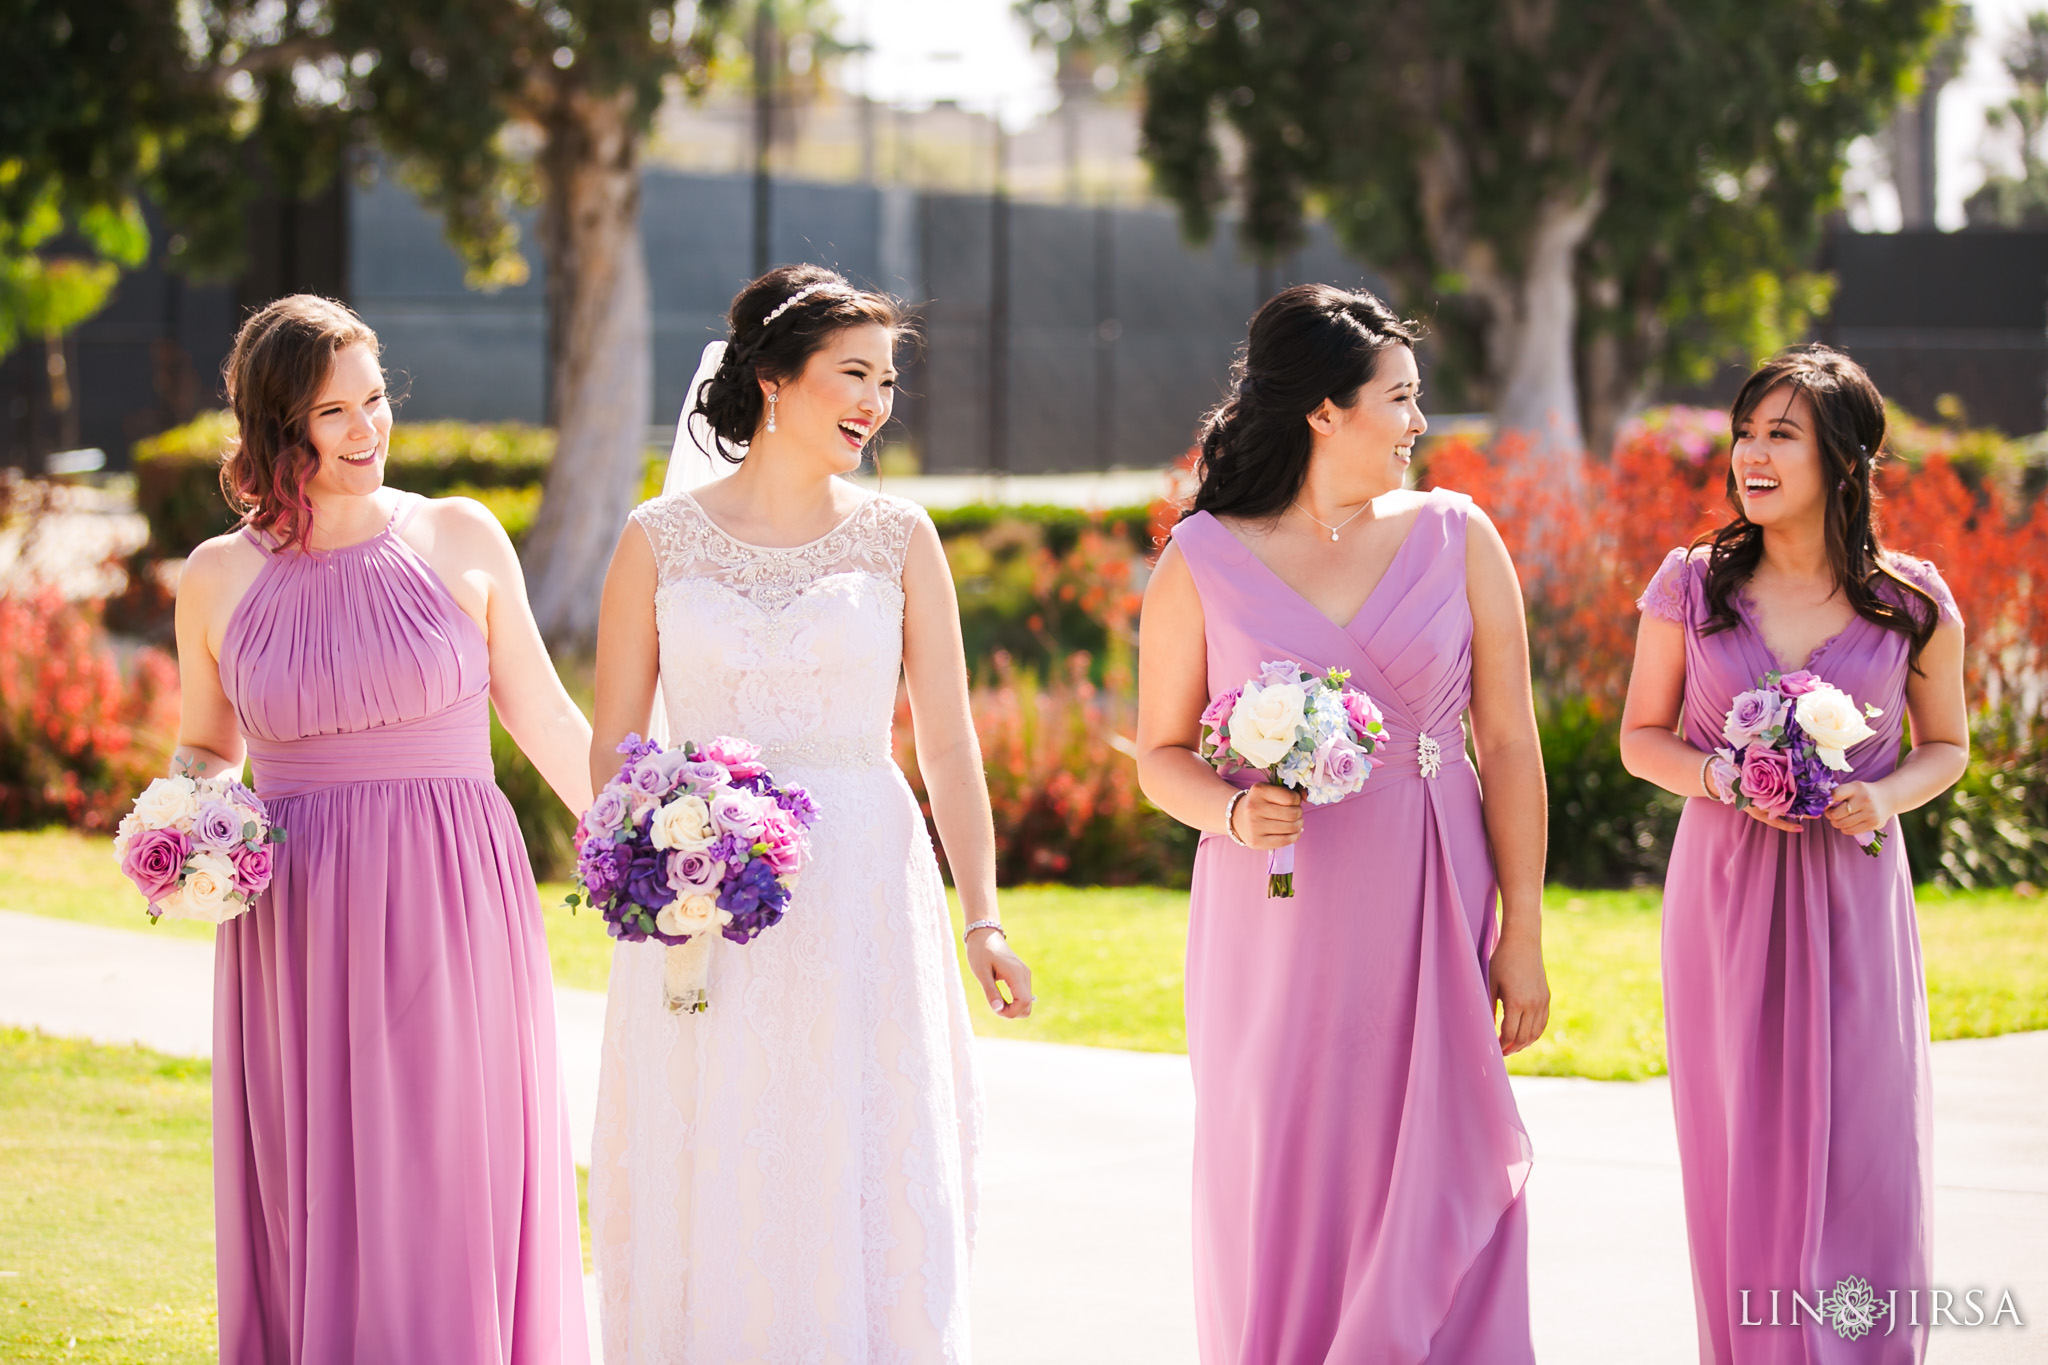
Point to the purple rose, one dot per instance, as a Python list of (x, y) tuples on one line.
[(1798, 684), (1767, 779), (647, 878), (155, 862), (606, 816), (252, 869), (742, 759), (1752, 713), (1340, 769), (688, 872), (705, 778), (646, 777), (217, 826), (738, 814), (1279, 671), (1727, 773)]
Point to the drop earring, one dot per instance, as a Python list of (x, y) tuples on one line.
[(771, 412)]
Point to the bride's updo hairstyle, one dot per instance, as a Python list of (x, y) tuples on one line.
[(280, 361), (1308, 343), (1849, 429), (775, 325)]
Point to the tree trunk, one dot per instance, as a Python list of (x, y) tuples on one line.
[(1533, 346), (600, 359)]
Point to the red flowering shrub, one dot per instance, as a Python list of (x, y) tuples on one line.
[(79, 736)]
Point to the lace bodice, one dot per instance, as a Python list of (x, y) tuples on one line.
[(797, 649)]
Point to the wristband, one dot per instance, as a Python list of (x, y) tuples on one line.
[(1230, 813)]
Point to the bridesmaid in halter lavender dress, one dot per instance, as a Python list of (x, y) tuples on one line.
[(1359, 1161), (1795, 1004), (392, 1177)]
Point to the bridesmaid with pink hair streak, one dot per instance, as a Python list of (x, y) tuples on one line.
[(1795, 1004)]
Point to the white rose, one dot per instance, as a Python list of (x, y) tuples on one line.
[(684, 823), (125, 835), (1833, 722), (1266, 722), (167, 801), (210, 887), (690, 915)]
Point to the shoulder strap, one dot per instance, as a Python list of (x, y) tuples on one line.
[(408, 505)]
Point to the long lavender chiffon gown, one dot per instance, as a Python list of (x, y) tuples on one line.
[(1795, 1014), (392, 1177), (1359, 1161)]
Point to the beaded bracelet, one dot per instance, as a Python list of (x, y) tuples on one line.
[(1230, 813), (994, 924)]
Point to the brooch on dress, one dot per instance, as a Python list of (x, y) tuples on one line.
[(1429, 755)]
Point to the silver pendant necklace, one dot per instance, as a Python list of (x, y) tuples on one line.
[(1340, 525)]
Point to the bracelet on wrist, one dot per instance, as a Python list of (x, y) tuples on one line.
[(1230, 816), (994, 924)]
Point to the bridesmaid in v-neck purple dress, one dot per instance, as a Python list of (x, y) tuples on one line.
[(1795, 1005), (1359, 1161)]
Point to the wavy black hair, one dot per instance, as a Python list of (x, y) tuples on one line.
[(1308, 343), (1849, 428)]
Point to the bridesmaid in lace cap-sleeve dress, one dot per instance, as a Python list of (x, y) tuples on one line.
[(1359, 1162), (789, 1175), (1794, 1000), (392, 1171)]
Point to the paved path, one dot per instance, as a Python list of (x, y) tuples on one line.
[(1084, 1252)]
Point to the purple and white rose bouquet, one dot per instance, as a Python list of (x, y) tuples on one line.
[(197, 848), (1307, 732), (1787, 747), (688, 841)]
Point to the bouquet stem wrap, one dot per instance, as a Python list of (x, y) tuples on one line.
[(686, 975), (1280, 874)]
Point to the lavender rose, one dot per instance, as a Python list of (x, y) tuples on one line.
[(1751, 714), (646, 776), (217, 826), (252, 869), (738, 814), (704, 777), (155, 862), (694, 871), (607, 814), (1768, 781), (1340, 769)]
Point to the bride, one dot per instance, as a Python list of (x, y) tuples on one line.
[(789, 1176)]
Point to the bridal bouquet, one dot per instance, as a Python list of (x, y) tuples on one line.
[(197, 848), (1308, 733), (1786, 747), (686, 841)]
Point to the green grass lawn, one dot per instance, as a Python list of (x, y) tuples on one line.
[(1107, 962)]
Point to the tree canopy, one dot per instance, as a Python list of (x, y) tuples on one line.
[(1579, 196)]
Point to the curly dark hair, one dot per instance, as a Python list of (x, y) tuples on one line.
[(1308, 343), (1849, 428), (756, 349)]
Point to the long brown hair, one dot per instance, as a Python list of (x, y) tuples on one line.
[(281, 359), (1849, 429)]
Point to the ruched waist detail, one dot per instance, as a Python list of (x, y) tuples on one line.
[(452, 742), (1425, 755)]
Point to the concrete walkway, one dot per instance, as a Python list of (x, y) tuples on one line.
[(1084, 1253)]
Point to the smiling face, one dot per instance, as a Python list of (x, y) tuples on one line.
[(1776, 461), (1377, 433), (349, 425), (841, 399)]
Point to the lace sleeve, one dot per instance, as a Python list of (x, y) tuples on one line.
[(1665, 597), (896, 520), (1924, 576), (662, 521)]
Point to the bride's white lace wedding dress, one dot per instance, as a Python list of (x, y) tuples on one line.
[(789, 1176)]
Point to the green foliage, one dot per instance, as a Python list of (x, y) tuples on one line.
[(1607, 827), (177, 472), (547, 826), (1439, 135), (2019, 201)]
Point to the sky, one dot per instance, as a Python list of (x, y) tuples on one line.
[(978, 53)]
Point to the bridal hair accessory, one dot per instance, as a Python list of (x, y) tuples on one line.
[(794, 299)]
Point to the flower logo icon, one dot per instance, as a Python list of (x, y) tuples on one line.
[(1852, 1308)]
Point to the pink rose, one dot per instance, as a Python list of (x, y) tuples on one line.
[(1798, 684), (1359, 709), (785, 842), (1767, 779), (742, 758), (155, 862), (252, 870), (1219, 709)]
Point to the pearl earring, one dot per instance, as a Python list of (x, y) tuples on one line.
[(771, 412)]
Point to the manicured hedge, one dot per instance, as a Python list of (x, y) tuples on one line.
[(177, 472)]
